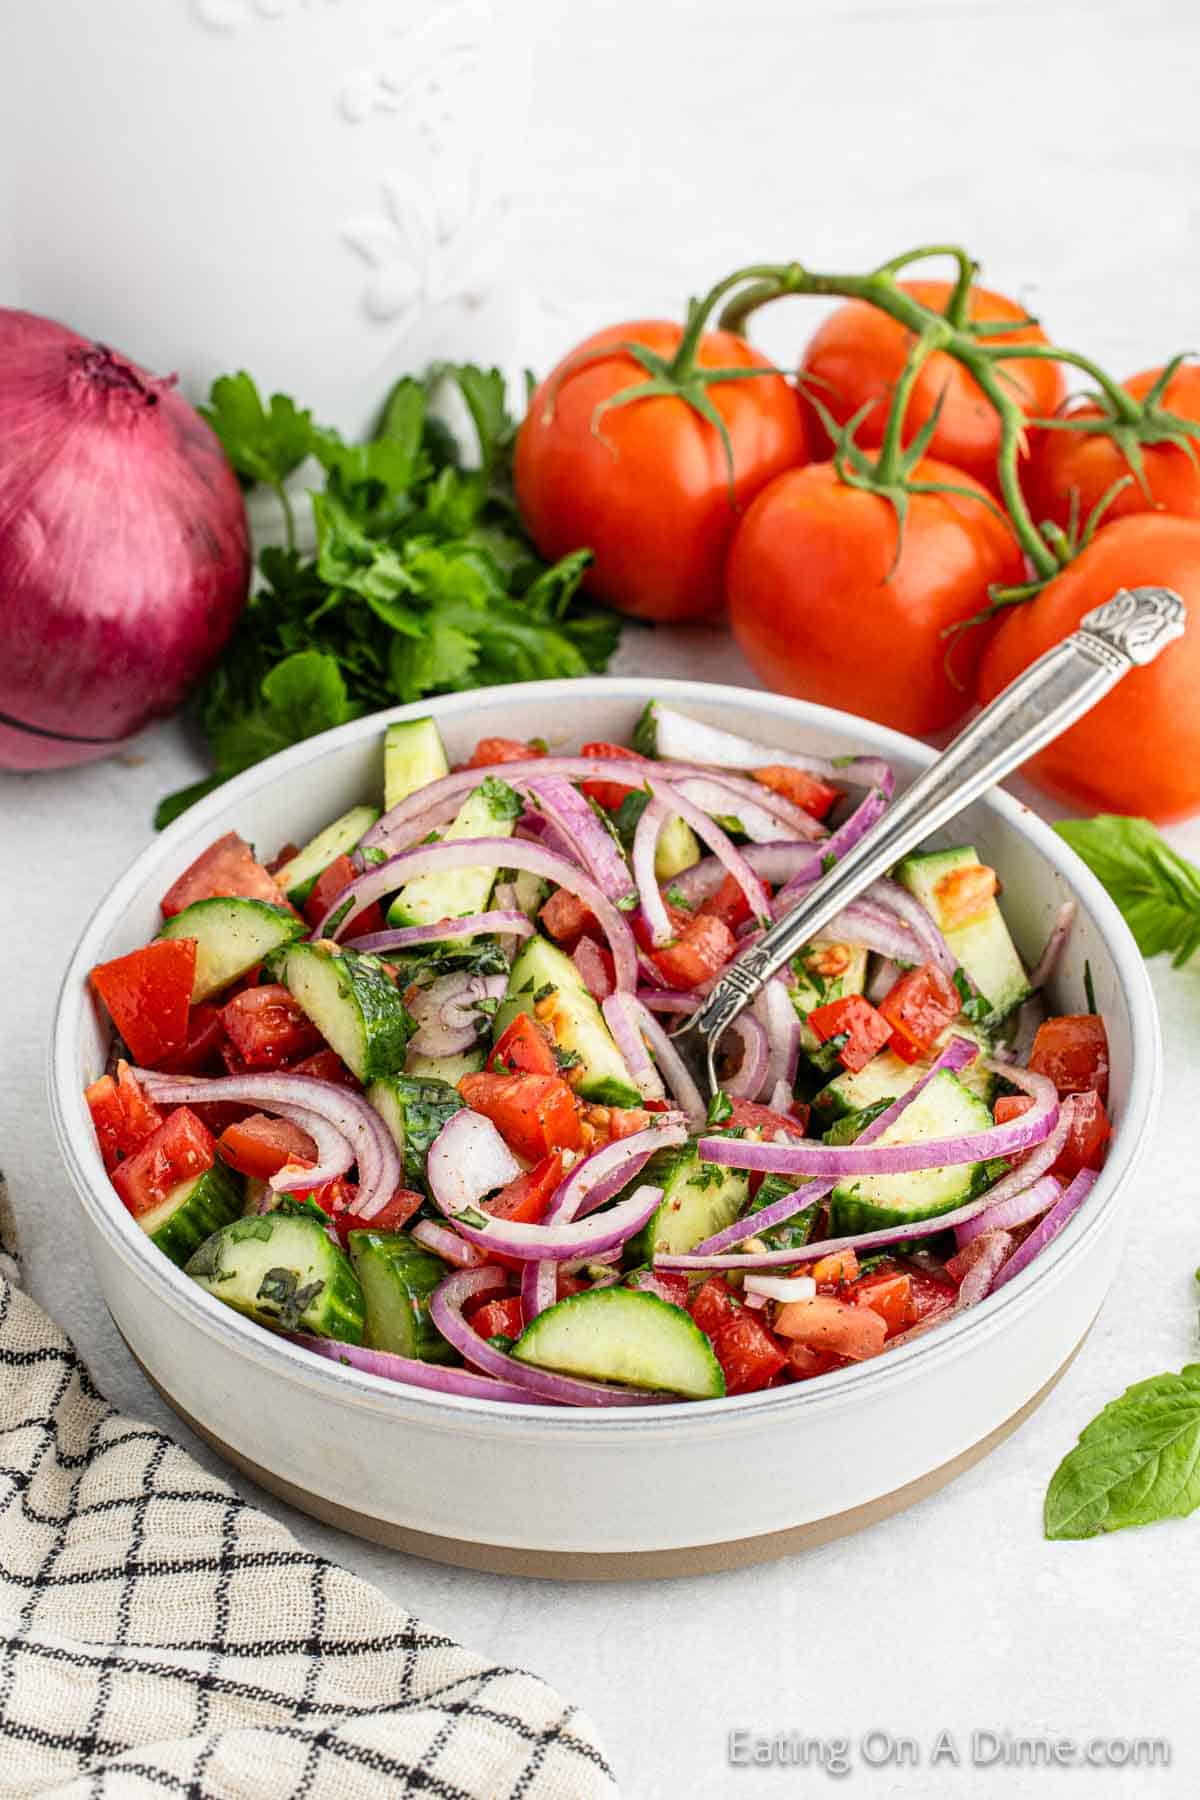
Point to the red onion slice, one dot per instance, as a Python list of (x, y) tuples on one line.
[(783, 1034), (1047, 962), (589, 960), (1059, 1215), (718, 841), (748, 1079), (776, 863), (445, 1309), (412, 1373), (593, 843), (468, 1159), (622, 1015), (867, 814), (645, 848), (508, 923), (507, 853), (447, 1011), (976, 1284), (922, 925), (678, 736), (445, 1242), (1013, 1209), (379, 1168), (672, 1067), (760, 822)]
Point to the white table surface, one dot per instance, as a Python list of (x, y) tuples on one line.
[(862, 128)]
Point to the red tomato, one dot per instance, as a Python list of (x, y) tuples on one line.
[(523, 1046), (713, 1305), (122, 1115), (804, 1362), (499, 1318), (729, 904), (282, 858), (267, 1028), (752, 1117), (918, 1008), (703, 946), (1072, 1050), (819, 582), (200, 1052), (1087, 1140), (596, 967), (928, 1294), (534, 1113), (668, 1286), (527, 1196), (888, 1293), (608, 794), (859, 353), (866, 1030), (226, 867), (1087, 465), (625, 1121), (180, 1149), (566, 918), (835, 1270), (491, 750), (1154, 713), (148, 994), (829, 1324), (327, 1065), (260, 1146), (645, 485), (748, 1354), (803, 790), (404, 1205), (328, 885), (334, 1199)]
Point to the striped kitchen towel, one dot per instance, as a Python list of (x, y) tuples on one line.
[(159, 1636)]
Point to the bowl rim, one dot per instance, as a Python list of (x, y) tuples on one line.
[(955, 1336)]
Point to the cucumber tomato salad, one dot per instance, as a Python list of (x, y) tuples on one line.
[(408, 1093)]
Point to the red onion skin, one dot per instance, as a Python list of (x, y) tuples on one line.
[(124, 547)]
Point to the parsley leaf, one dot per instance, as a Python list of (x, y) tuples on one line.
[(720, 1108), (1157, 891), (1138, 1461), (263, 443), (504, 802)]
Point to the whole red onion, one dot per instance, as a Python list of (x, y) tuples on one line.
[(124, 548)]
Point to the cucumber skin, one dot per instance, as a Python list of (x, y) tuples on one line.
[(394, 1265), (316, 856), (668, 1169), (431, 1102), (191, 922), (709, 1383), (848, 1216), (336, 1312), (384, 1022), (413, 757), (215, 1199), (539, 963)]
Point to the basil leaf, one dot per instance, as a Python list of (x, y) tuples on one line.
[(1157, 890), (1137, 1462)]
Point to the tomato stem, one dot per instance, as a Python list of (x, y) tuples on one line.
[(888, 466)]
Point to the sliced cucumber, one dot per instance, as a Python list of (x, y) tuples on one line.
[(491, 811), (397, 1277), (192, 1211), (795, 1232), (698, 1200), (851, 1126), (887, 1076), (284, 1271), (823, 972), (414, 1108), (449, 1069), (678, 848), (981, 942), (546, 984), (299, 877), (231, 936), (413, 756), (531, 892), (353, 1003), (945, 1108), (623, 1334)]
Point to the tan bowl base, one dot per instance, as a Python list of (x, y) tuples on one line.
[(632, 1565)]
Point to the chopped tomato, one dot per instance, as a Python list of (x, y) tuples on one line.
[(404, 1205), (865, 1030), (748, 1354), (523, 1046), (1010, 1106), (826, 1323), (729, 904), (260, 1146), (201, 1050), (527, 1196), (596, 968), (680, 917), (1072, 1051), (804, 790), (503, 750), (805, 1362), (566, 918), (226, 867), (282, 858), (928, 1294), (148, 994), (749, 1116), (180, 1149), (327, 1065), (499, 1318), (713, 1305), (122, 1115), (328, 885), (1087, 1140), (964, 893), (887, 1292), (534, 1113), (624, 1121), (964, 1260), (836, 1270), (668, 1286), (608, 794), (569, 1284), (267, 1028), (334, 1199), (704, 946), (918, 1007)]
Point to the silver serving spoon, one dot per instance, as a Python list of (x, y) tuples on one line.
[(1126, 632)]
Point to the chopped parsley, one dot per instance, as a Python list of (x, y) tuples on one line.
[(720, 1108)]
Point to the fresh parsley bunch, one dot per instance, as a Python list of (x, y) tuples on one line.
[(422, 580)]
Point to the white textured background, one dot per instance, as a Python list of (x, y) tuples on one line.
[(671, 140)]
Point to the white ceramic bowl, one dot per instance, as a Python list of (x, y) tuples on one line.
[(574, 1491)]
